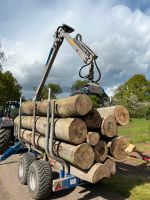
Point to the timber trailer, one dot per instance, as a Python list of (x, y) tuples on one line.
[(34, 168)]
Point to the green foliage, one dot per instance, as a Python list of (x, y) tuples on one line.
[(96, 101), (135, 95), (137, 85), (55, 90), (10, 90), (78, 84)]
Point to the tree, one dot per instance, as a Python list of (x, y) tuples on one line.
[(10, 90), (77, 85), (135, 95), (55, 90), (137, 85)]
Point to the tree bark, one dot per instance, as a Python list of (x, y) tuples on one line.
[(101, 151), (92, 138), (120, 112), (117, 147), (73, 106), (72, 130), (81, 155)]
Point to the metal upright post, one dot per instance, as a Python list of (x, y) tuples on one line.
[(34, 125), (19, 128)]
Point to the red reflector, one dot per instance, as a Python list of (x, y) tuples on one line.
[(58, 187)]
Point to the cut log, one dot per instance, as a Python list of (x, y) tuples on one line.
[(101, 151), (97, 172), (93, 175), (120, 112), (117, 147), (109, 126), (93, 120), (81, 155), (72, 130), (93, 138), (111, 164), (73, 106)]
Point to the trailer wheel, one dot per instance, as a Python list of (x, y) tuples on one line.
[(23, 167), (40, 179), (5, 139)]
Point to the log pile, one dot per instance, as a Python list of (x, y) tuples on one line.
[(87, 139)]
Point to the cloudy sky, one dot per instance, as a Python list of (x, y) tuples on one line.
[(118, 31)]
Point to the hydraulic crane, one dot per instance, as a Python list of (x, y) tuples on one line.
[(84, 52)]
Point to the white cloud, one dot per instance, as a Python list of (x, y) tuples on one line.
[(118, 35)]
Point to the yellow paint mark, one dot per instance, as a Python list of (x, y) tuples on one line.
[(71, 42)]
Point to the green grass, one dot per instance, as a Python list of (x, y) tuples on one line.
[(133, 182), (137, 131), (141, 192), (129, 186)]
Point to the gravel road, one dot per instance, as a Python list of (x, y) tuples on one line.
[(11, 189)]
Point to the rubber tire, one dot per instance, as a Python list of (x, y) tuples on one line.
[(26, 161), (5, 139), (43, 176)]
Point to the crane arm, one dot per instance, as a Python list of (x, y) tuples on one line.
[(84, 52)]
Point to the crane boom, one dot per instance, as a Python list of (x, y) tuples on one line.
[(85, 53)]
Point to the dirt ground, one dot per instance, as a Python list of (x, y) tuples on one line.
[(11, 189)]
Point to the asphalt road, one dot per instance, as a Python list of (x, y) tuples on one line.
[(11, 189)]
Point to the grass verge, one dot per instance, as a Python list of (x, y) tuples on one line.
[(138, 130)]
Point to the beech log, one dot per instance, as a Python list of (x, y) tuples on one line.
[(73, 106), (118, 147), (97, 172), (72, 130), (93, 138), (106, 125), (111, 164), (101, 151), (81, 155), (109, 126), (93, 120), (120, 112)]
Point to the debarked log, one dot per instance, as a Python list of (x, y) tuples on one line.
[(72, 130)]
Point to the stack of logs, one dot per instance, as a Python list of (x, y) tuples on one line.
[(86, 138)]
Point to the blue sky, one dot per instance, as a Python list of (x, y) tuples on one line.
[(117, 30)]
